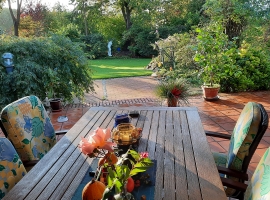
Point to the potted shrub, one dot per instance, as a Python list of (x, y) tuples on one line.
[(174, 90), (213, 52), (52, 85)]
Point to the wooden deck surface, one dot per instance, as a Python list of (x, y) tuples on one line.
[(173, 136)]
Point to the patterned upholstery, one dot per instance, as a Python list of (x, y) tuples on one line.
[(11, 167), (245, 135), (259, 185), (29, 128)]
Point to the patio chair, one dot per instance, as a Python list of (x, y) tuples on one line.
[(27, 125), (12, 169), (247, 134), (258, 186)]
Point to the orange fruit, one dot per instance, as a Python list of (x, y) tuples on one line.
[(130, 184), (93, 190)]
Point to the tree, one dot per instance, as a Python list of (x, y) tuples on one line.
[(15, 16), (33, 19)]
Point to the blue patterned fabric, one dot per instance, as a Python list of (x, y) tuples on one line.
[(11, 167)]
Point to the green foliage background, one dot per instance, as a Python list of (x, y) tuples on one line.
[(33, 60)]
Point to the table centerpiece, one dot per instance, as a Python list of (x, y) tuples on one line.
[(118, 182)]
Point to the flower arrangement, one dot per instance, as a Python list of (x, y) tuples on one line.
[(173, 90), (119, 173)]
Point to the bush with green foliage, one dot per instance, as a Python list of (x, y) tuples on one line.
[(185, 66), (33, 61), (141, 39), (95, 45), (253, 70)]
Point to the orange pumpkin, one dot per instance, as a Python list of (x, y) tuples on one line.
[(109, 158), (93, 190)]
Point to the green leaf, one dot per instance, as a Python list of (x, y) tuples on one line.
[(14, 172), (16, 158), (6, 185), (135, 155), (118, 186), (2, 168), (25, 141)]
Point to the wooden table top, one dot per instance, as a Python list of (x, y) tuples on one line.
[(173, 136)]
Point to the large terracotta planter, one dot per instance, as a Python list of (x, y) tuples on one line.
[(172, 102), (210, 93)]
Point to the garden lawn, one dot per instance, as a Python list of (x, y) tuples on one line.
[(117, 68)]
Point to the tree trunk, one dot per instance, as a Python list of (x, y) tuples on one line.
[(16, 20), (126, 12)]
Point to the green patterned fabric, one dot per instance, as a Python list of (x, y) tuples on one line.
[(11, 167), (243, 135), (259, 185), (29, 128)]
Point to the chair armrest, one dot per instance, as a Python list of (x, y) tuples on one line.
[(216, 134), (234, 184), (234, 173), (61, 132)]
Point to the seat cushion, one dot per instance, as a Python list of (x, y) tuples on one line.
[(11, 167), (244, 132), (259, 185), (29, 128)]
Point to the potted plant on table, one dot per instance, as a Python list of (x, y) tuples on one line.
[(174, 90), (213, 54)]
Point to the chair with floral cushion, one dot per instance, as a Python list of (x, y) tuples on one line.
[(11, 167), (247, 134), (259, 184), (27, 125)]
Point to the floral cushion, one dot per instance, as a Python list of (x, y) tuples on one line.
[(29, 128), (11, 167), (259, 185)]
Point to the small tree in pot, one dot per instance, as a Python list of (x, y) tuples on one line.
[(213, 54)]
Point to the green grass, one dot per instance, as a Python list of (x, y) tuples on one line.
[(117, 68)]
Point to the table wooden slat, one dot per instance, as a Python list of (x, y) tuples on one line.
[(159, 156), (208, 177), (191, 171), (180, 167)]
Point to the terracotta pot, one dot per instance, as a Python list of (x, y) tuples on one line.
[(55, 105), (172, 102), (210, 93)]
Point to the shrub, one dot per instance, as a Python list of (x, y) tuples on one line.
[(95, 45), (252, 71), (34, 58)]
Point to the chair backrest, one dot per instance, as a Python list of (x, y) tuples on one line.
[(259, 185), (247, 134), (11, 167), (28, 127)]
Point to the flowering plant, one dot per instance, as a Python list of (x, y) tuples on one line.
[(173, 89), (130, 164), (96, 143)]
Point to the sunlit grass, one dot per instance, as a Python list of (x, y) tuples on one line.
[(117, 68)]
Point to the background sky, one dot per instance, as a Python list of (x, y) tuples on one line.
[(49, 3)]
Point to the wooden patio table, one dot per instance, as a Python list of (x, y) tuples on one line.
[(173, 136)]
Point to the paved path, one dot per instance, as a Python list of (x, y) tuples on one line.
[(118, 89)]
